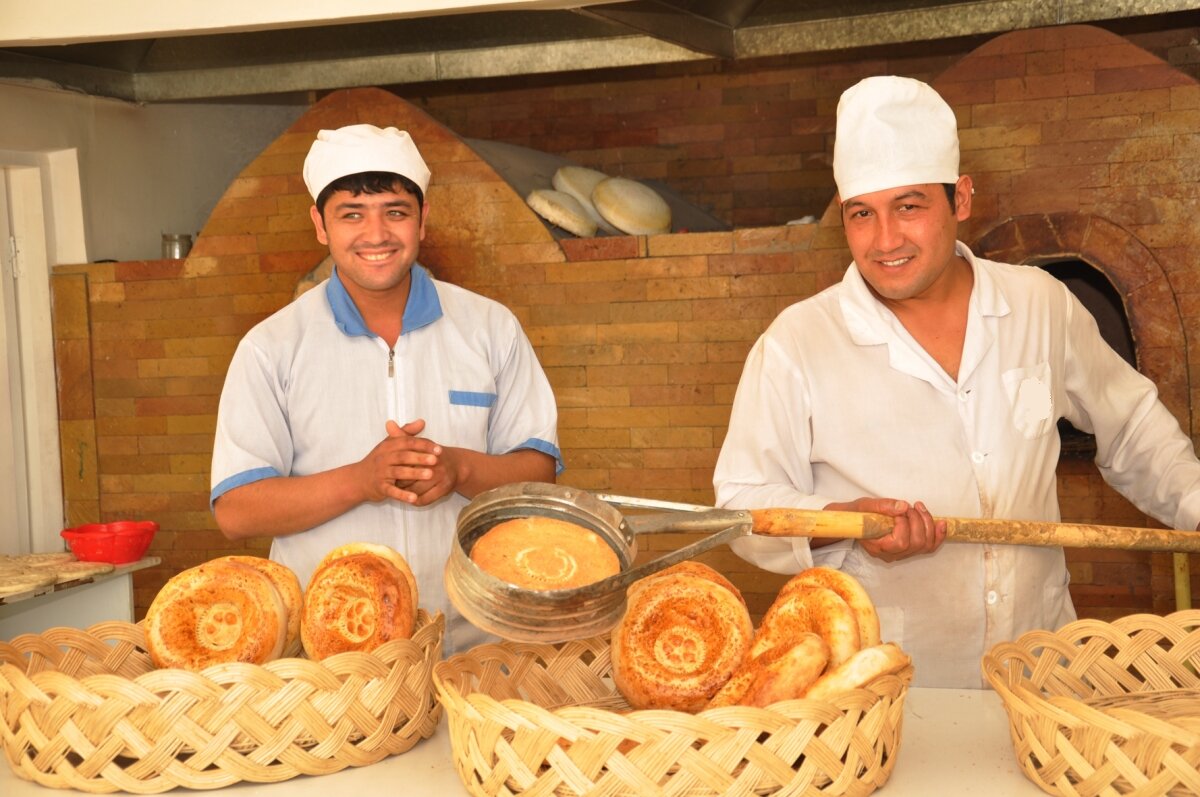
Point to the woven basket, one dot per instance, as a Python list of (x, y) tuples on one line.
[(546, 719), (1105, 708), (87, 710)]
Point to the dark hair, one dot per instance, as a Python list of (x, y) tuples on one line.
[(950, 191), (369, 183)]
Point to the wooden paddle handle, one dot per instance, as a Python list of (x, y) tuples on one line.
[(869, 525)]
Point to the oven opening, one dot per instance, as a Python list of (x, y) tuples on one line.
[(1101, 299)]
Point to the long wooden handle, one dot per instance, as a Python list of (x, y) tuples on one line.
[(868, 526)]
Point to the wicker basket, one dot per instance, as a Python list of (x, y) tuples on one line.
[(1105, 708), (546, 719), (87, 710)]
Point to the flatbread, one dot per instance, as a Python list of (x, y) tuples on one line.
[(579, 182), (543, 553), (355, 603), (632, 207), (562, 210), (74, 571)]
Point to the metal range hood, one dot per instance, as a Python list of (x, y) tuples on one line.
[(264, 55)]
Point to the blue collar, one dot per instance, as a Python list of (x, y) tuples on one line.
[(423, 306)]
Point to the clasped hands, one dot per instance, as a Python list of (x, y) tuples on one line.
[(914, 529), (408, 468)]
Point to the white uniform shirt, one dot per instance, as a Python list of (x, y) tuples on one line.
[(837, 401), (311, 388)]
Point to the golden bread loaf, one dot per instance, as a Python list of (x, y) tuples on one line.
[(542, 553), (215, 613), (288, 586), (848, 588), (355, 602), (631, 207), (695, 569), (681, 638), (562, 210), (808, 608)]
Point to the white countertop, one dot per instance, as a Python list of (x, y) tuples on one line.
[(954, 741)]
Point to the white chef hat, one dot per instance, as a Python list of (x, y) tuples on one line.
[(893, 131), (362, 148)]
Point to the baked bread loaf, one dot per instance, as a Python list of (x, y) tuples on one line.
[(849, 590), (631, 207), (356, 601), (215, 613), (695, 569), (813, 609), (579, 182), (562, 210), (288, 587), (543, 553), (680, 640)]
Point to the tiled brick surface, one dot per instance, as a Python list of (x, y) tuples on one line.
[(1080, 143)]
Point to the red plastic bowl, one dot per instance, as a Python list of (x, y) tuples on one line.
[(118, 543)]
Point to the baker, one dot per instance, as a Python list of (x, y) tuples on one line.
[(929, 382), (371, 410)]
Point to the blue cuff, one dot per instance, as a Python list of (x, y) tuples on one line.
[(545, 447), (238, 479)]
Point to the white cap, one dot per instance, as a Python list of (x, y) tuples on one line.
[(362, 148), (893, 131)]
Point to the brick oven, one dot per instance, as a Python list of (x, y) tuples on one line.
[(1083, 147)]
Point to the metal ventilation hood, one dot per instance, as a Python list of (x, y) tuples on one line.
[(229, 48)]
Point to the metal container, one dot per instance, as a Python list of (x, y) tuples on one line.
[(175, 246), (526, 615)]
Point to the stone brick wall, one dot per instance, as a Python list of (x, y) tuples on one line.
[(643, 338)]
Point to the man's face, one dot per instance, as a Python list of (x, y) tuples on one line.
[(903, 238), (373, 238)]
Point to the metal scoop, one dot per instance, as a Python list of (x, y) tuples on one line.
[(526, 615)]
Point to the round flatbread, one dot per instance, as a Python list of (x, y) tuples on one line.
[(355, 603), (562, 210), (579, 182), (16, 582), (681, 639), (288, 586), (75, 571), (696, 569), (215, 613), (51, 560), (791, 675), (808, 608), (849, 589), (543, 553), (390, 554), (631, 207)]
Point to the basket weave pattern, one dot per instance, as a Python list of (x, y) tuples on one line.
[(1105, 708), (545, 719), (87, 710)]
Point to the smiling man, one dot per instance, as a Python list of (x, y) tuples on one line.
[(372, 409), (927, 383)]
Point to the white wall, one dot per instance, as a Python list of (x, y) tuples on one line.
[(144, 169)]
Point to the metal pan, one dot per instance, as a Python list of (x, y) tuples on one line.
[(527, 615)]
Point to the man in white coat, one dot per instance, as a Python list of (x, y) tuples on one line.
[(928, 383), (372, 408)]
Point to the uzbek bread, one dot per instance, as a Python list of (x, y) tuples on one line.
[(695, 569), (579, 182), (808, 608), (631, 207), (543, 553), (386, 552), (562, 210), (848, 588), (355, 602), (679, 641), (859, 670), (288, 586), (790, 675), (215, 613)]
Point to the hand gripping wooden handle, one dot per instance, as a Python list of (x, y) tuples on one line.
[(868, 526)]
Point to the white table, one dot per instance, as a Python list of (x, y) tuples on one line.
[(955, 741), (108, 596)]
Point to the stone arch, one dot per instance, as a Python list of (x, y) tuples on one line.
[(1153, 313)]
